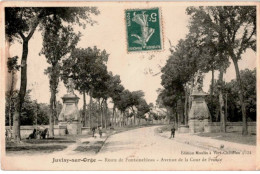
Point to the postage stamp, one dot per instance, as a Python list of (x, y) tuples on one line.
[(143, 29)]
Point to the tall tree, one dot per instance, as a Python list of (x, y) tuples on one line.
[(135, 100), (101, 92), (58, 41), (114, 90), (235, 28), (179, 70), (248, 79), (87, 67), (124, 102), (11, 92), (22, 22), (142, 109)]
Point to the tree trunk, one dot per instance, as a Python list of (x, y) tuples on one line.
[(84, 109), (176, 120), (221, 102), (11, 94), (181, 111), (113, 117), (211, 93), (190, 93), (226, 113), (241, 98), (90, 109), (51, 133), (51, 116), (212, 82), (185, 107), (22, 92), (123, 119), (105, 114), (102, 112), (10, 116), (99, 111), (134, 114), (23, 83), (54, 82)]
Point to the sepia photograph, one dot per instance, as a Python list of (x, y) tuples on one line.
[(129, 86)]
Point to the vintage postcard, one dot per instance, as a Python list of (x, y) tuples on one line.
[(148, 86)]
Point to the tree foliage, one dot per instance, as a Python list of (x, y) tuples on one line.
[(235, 30), (22, 22)]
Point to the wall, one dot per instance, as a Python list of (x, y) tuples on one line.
[(25, 131)]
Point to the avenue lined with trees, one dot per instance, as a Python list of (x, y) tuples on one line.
[(86, 66), (217, 36)]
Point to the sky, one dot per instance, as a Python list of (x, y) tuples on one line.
[(110, 34)]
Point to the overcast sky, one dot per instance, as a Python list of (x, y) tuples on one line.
[(110, 34)]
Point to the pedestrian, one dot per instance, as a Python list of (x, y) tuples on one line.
[(93, 131), (172, 132), (100, 131)]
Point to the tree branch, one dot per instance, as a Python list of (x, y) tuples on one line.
[(33, 30), (22, 35)]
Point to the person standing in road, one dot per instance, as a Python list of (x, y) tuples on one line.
[(93, 131), (172, 132), (100, 131)]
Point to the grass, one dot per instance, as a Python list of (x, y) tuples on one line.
[(32, 149), (59, 143), (49, 141), (235, 137), (89, 149), (36, 146)]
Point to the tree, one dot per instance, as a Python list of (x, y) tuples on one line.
[(32, 109), (168, 99), (248, 79), (115, 89), (11, 93), (142, 109), (235, 26), (179, 70), (22, 22), (58, 41), (214, 57), (87, 67), (124, 102), (101, 92), (135, 100)]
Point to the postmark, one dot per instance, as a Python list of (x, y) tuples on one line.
[(143, 29)]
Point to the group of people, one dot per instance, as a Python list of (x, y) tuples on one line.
[(99, 131), (41, 134), (36, 134)]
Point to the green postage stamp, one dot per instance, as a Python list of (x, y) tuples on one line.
[(143, 29)]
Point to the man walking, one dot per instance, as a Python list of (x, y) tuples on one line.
[(93, 131), (100, 131), (172, 132)]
